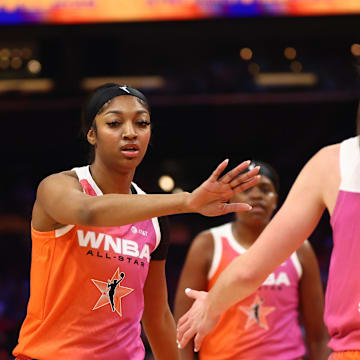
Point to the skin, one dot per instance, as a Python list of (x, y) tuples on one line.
[(246, 229), (312, 193), (61, 201)]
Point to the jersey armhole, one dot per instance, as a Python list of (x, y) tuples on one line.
[(296, 262)]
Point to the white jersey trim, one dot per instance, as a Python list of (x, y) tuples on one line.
[(81, 173), (350, 164), (233, 243), (217, 233), (297, 265), (216, 255), (63, 230)]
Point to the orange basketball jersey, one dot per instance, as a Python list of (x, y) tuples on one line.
[(264, 326), (86, 298)]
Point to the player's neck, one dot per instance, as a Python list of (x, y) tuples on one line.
[(246, 234), (111, 181)]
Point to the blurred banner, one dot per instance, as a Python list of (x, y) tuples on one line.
[(89, 11)]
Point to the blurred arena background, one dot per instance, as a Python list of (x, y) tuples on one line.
[(245, 79)]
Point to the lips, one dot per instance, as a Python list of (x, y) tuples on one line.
[(129, 150), (258, 207)]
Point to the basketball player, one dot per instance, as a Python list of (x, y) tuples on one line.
[(265, 325), (92, 226), (330, 180)]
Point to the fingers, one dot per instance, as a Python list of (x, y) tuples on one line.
[(243, 178), (232, 174), (236, 207), (198, 341), (217, 172), (194, 294), (247, 185), (184, 336), (182, 321)]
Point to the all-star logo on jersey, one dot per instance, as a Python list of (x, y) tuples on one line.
[(118, 245), (257, 313), (112, 292)]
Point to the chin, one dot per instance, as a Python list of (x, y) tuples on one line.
[(259, 220)]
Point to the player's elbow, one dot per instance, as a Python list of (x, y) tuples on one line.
[(85, 216)]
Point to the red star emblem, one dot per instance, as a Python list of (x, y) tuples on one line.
[(257, 313), (112, 292)]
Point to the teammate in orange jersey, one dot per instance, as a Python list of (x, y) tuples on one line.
[(329, 181), (265, 325), (99, 247)]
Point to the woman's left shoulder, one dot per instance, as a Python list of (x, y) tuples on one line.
[(329, 153)]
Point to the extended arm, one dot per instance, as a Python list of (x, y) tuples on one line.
[(293, 223), (60, 199)]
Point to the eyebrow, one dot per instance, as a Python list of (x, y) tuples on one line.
[(121, 112)]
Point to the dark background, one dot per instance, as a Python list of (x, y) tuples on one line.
[(209, 109)]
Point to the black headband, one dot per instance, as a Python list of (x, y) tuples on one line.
[(104, 94), (268, 171)]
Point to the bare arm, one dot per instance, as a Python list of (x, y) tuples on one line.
[(60, 200), (194, 275), (293, 223), (312, 304), (158, 322)]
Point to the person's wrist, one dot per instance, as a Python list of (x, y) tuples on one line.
[(188, 203), (210, 308)]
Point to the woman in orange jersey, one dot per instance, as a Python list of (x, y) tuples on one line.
[(329, 181), (99, 246), (265, 325)]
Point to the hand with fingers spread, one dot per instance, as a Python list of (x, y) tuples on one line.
[(197, 322), (210, 198)]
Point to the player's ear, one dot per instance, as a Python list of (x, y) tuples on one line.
[(91, 136)]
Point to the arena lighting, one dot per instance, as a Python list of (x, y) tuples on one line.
[(166, 183), (26, 85), (141, 82), (355, 49), (34, 66), (18, 60), (296, 66), (289, 79), (246, 54), (290, 53)]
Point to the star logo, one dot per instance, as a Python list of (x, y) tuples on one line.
[(112, 292), (257, 313)]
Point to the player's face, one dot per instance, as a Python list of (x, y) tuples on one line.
[(122, 132), (263, 199)]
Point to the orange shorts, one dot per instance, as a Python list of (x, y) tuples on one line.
[(345, 355)]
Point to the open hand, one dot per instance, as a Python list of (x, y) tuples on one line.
[(197, 322), (211, 197)]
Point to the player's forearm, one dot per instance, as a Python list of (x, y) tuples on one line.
[(182, 305), (188, 352), (318, 350), (233, 285), (116, 210), (161, 333)]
